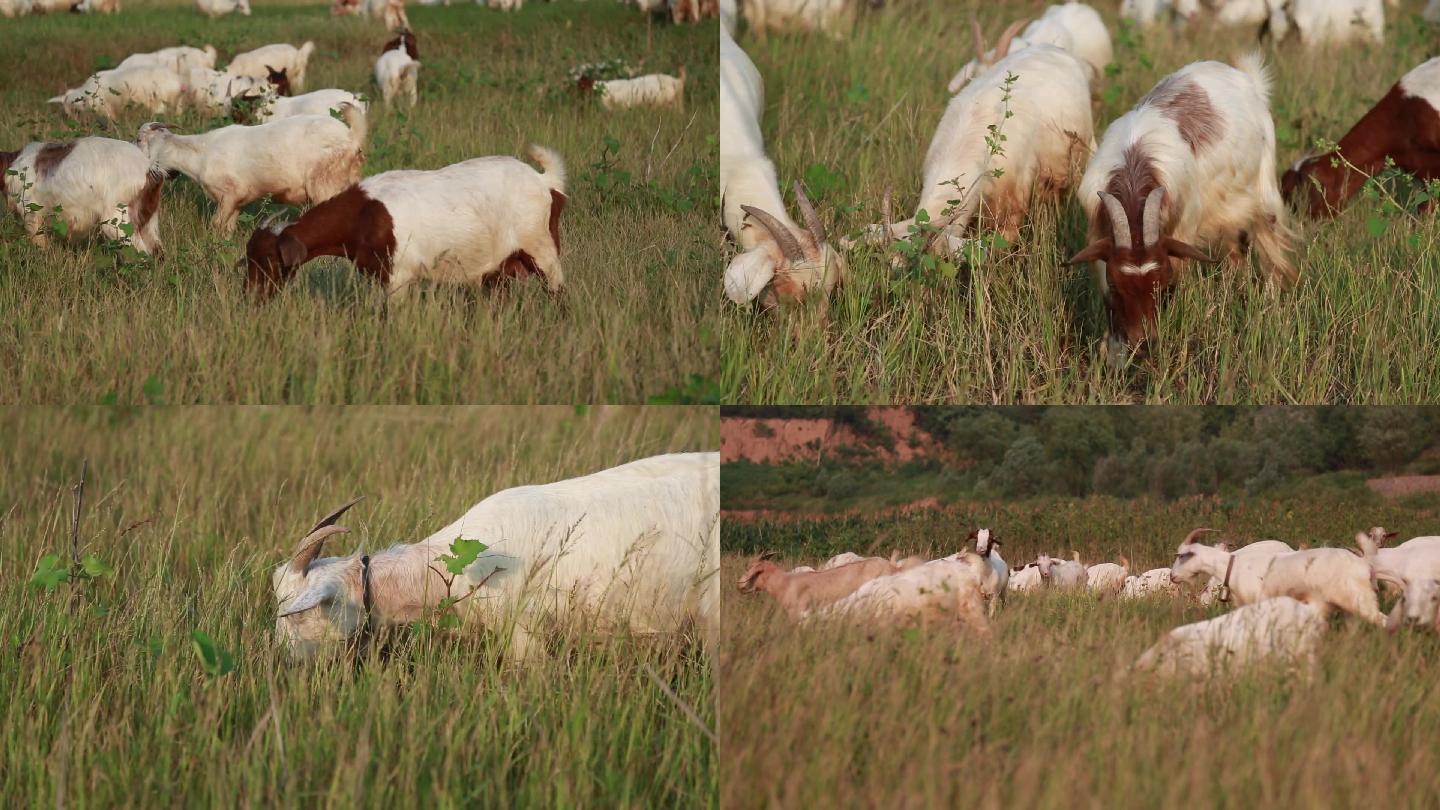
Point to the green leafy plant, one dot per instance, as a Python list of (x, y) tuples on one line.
[(51, 570), (214, 659)]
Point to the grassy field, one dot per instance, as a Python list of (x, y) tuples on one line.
[(638, 320), (110, 705), (854, 118), (1044, 714)]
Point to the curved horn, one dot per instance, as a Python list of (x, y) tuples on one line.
[(812, 219), (765, 555), (1119, 222), (789, 245), (1004, 47), (1195, 535), (1150, 218), (309, 548), (979, 37)]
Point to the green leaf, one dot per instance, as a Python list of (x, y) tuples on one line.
[(214, 659), (153, 389), (1375, 225), (49, 572), (462, 553), (95, 567)]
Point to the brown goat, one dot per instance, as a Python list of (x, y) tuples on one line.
[(799, 593)]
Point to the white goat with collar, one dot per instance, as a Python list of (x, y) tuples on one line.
[(1240, 574), (636, 546)]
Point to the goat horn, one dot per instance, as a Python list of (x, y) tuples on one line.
[(782, 235), (812, 219), (979, 37), (1004, 47), (765, 555), (310, 547), (1119, 222), (1195, 535), (1150, 219)]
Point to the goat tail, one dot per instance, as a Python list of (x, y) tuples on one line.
[(1253, 65), (354, 116), (552, 168), (305, 51)]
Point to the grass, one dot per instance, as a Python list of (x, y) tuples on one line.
[(637, 323), (853, 118), (108, 705), (1044, 714)]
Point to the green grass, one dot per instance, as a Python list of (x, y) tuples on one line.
[(1044, 714), (639, 320), (108, 705), (855, 118)]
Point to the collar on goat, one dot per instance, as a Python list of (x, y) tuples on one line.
[(1225, 586)]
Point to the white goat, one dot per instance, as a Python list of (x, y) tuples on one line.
[(1192, 164), (213, 91), (828, 16), (1063, 575), (1107, 579), (474, 222), (1282, 629), (1330, 576), (1074, 27), (1154, 581), (503, 5), (300, 160), (843, 558), (1412, 566), (996, 581), (1324, 22), (86, 183), (1026, 578), (180, 59), (397, 75), (637, 545), (260, 62), (779, 260), (269, 106), (946, 590), (109, 92), (653, 90), (1048, 132), (219, 8), (1240, 574)]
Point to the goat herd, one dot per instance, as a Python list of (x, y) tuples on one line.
[(1282, 596), (300, 150), (1189, 170)]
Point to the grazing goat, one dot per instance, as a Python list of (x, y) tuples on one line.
[(474, 222), (397, 74), (1154, 581), (1404, 126), (779, 261), (1239, 574), (1282, 629), (85, 183), (109, 92), (1073, 27), (263, 61), (1027, 577), (403, 41), (1192, 164), (797, 594), (213, 91), (1048, 131), (827, 16), (638, 545), (219, 8), (268, 106), (181, 59), (653, 90), (1063, 575), (948, 590), (1327, 22), (305, 159), (1413, 567), (1332, 577), (1107, 579)]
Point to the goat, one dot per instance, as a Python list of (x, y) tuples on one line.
[(1240, 573), (1063, 575), (109, 92), (996, 581), (180, 59), (1027, 577), (1107, 579), (1330, 576), (219, 8), (85, 183), (262, 61), (305, 159), (639, 543), (797, 594), (653, 90), (477, 221), (1413, 567), (843, 558), (1274, 629), (1192, 164), (1325, 22), (826, 16), (404, 40), (213, 91), (1404, 126), (1073, 27), (948, 590), (779, 260), (268, 106), (1154, 581), (1047, 128), (397, 74)]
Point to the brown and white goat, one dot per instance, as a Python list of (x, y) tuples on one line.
[(1193, 164), (1403, 126), (798, 594)]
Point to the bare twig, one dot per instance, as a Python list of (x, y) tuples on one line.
[(79, 490), (684, 707)]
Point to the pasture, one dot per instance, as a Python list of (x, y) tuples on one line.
[(112, 700), (1013, 324), (88, 323), (1044, 714)]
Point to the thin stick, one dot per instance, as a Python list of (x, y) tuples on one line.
[(689, 712), (79, 490)]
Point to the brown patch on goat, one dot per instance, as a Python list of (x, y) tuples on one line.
[(147, 202), (1188, 105), (1400, 126), (7, 159), (557, 207), (279, 79), (50, 157), (405, 40), (350, 225)]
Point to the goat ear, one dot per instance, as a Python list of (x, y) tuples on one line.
[(311, 598), (766, 555), (292, 251), (1091, 252), (1186, 251)]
